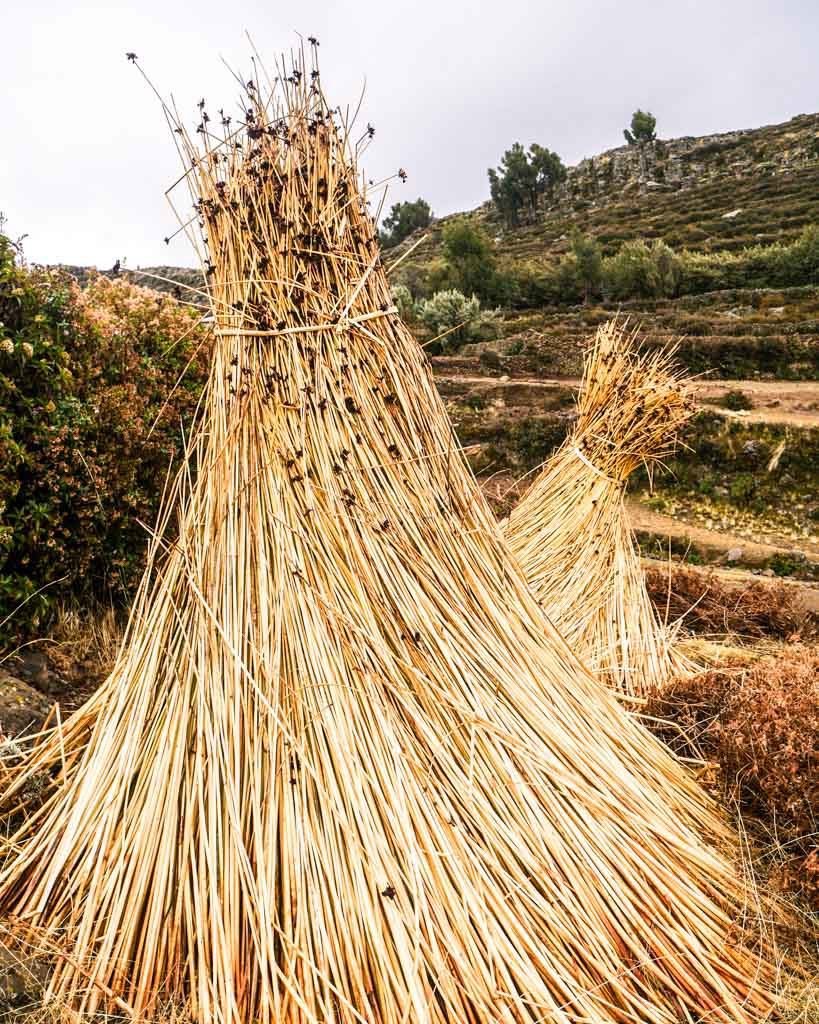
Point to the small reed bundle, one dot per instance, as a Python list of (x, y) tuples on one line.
[(343, 771), (570, 531)]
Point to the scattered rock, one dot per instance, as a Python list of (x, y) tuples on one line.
[(732, 213), (22, 708), (734, 555), (22, 979), (34, 667)]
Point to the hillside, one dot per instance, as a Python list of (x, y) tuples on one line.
[(737, 209), (512, 398), (709, 193), (161, 278), (716, 194)]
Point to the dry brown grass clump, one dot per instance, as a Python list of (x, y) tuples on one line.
[(707, 605), (759, 720), (570, 532), (343, 769)]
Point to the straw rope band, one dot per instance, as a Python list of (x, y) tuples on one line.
[(595, 469), (337, 325)]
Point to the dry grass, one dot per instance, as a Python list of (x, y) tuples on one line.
[(758, 719), (570, 532), (707, 606), (343, 769)]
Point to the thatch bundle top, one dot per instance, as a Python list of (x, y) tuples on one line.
[(632, 403)]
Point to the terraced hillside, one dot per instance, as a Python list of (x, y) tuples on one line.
[(742, 489), (716, 192), (734, 208), (734, 333)]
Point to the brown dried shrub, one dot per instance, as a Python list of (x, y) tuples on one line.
[(759, 720), (706, 605)]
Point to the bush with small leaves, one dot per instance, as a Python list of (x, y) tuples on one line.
[(84, 376), (402, 297), (642, 270), (469, 257), (588, 264), (735, 400), (461, 317)]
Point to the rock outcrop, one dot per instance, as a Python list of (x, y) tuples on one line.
[(669, 165)]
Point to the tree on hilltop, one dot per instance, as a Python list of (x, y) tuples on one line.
[(522, 178), (403, 219), (643, 128)]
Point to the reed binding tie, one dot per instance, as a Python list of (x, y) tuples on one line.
[(595, 469), (337, 325)]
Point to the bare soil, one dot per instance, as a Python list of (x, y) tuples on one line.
[(790, 403)]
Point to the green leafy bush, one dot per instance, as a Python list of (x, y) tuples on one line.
[(423, 280), (566, 280), (588, 259), (736, 400), (525, 285), (402, 297), (760, 266), (463, 318), (469, 258), (83, 377), (642, 270)]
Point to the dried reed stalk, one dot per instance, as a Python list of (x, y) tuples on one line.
[(570, 531), (342, 770)]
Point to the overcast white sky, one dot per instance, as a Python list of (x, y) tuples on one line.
[(85, 155)]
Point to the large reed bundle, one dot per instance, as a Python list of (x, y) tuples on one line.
[(570, 531), (343, 771)]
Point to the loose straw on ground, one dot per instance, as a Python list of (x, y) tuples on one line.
[(570, 532), (343, 771)]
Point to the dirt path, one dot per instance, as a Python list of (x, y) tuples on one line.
[(792, 403), (715, 543), (482, 380), (789, 403)]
